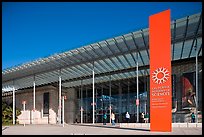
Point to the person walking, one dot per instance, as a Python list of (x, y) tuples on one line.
[(127, 116), (146, 118), (104, 119), (193, 118), (113, 118), (142, 117)]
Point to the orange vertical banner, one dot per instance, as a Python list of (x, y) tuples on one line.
[(160, 72)]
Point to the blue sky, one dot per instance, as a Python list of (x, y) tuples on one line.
[(32, 30)]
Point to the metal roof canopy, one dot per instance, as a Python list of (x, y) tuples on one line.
[(117, 54)]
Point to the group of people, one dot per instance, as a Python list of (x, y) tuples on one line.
[(145, 118), (112, 118)]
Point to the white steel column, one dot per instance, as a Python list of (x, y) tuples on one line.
[(24, 112), (110, 97), (137, 92), (93, 97), (63, 110), (33, 111), (60, 94), (13, 105), (145, 90), (34, 94), (81, 109), (196, 81), (128, 100)]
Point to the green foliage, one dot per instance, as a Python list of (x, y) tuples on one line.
[(7, 113)]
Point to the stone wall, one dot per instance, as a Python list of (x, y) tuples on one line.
[(31, 116)]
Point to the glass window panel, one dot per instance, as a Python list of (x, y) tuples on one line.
[(144, 57), (200, 28), (172, 29), (81, 49), (66, 74), (86, 55), (124, 61), (98, 51), (48, 79), (117, 62), (49, 75), (102, 69), (88, 48), (180, 28), (137, 34), (119, 76), (194, 18), (78, 58), (181, 22), (92, 54), (122, 75), (139, 73), (121, 44), (107, 66), (177, 50), (146, 38), (87, 68), (191, 29), (199, 42), (113, 77), (74, 71), (85, 71), (105, 49), (129, 75), (110, 63), (78, 69), (112, 46), (186, 48), (130, 59), (130, 43), (139, 41)]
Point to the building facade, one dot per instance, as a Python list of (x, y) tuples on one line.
[(102, 77)]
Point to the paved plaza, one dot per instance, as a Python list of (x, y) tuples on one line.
[(89, 129)]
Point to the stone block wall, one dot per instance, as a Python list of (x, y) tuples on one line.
[(31, 116)]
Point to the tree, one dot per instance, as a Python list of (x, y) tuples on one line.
[(7, 113)]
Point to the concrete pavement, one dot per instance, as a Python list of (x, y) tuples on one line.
[(89, 129)]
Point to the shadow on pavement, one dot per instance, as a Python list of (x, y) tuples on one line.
[(115, 127), (4, 128)]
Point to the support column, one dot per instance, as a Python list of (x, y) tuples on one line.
[(34, 94), (81, 109), (24, 112), (145, 90), (196, 81), (148, 97), (120, 103), (137, 92), (93, 97), (60, 94), (96, 94), (102, 103), (33, 111), (128, 100), (63, 111), (110, 107), (14, 105)]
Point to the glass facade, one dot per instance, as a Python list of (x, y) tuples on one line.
[(121, 96)]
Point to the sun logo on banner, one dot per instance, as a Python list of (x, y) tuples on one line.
[(160, 75)]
